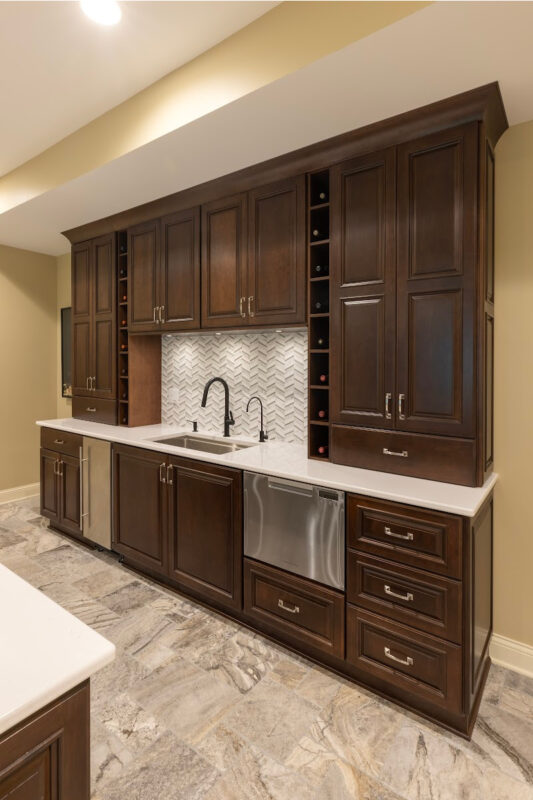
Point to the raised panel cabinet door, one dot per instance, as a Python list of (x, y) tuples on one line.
[(81, 279), (362, 280), (224, 263), (49, 485), (276, 253), (143, 271), (34, 779), (138, 500), (205, 528), (69, 494), (82, 304), (179, 281), (437, 196), (104, 369), (81, 356)]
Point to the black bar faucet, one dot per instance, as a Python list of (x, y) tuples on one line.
[(228, 416), (263, 435)]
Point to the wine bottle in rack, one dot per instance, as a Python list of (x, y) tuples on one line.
[(319, 270), (323, 378), (321, 307), (322, 342), (322, 450), (124, 298), (122, 272), (123, 346), (318, 234), (322, 197), (322, 414)]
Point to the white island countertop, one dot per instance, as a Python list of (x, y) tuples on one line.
[(283, 460), (44, 650)]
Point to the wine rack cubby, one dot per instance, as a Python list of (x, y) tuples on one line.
[(319, 323), (122, 317)]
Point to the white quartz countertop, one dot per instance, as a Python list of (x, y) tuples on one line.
[(283, 460), (44, 650)]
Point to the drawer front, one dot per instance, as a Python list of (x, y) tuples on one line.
[(420, 665), (61, 441), (297, 608), (425, 601), (95, 410), (438, 458), (412, 536)]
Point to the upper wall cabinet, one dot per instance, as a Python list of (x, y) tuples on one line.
[(164, 274), (94, 318), (253, 257)]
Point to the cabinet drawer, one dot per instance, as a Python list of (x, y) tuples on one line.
[(61, 441), (297, 608), (438, 458), (405, 659), (95, 410), (425, 601), (426, 539)]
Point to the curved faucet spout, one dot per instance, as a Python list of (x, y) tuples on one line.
[(228, 416)]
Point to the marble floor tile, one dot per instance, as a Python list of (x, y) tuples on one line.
[(199, 708)]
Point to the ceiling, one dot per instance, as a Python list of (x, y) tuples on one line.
[(441, 50), (59, 70)]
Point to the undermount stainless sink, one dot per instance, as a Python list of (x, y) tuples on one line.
[(204, 443)]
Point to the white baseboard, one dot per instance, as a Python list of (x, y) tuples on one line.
[(511, 654), (19, 493)]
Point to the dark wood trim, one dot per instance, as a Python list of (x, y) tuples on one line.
[(482, 104)]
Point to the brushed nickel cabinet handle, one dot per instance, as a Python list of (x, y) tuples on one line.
[(87, 383), (155, 315), (82, 514), (250, 301), (241, 304), (93, 383), (409, 597), (293, 610), (388, 398), (91, 409), (60, 468), (401, 402), (56, 464), (169, 475), (398, 453), (408, 537), (162, 468), (59, 441), (161, 314), (407, 662)]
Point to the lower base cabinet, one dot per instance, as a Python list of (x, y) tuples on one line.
[(61, 460), (182, 521), (46, 757)]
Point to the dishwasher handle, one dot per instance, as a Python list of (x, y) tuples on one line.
[(291, 487)]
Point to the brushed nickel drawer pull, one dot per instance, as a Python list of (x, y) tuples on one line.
[(59, 441), (241, 303), (388, 398), (162, 468), (294, 610), (92, 410), (401, 402), (400, 454), (408, 537), (169, 475), (250, 301), (389, 591), (407, 662)]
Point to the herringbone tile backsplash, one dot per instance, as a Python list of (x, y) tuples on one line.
[(271, 365)]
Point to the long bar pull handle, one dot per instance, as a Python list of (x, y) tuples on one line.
[(161, 314), (407, 662), (408, 596), (293, 610), (241, 310), (162, 468), (82, 484), (401, 403), (388, 398), (408, 537), (398, 453), (56, 464), (60, 468), (169, 475), (94, 384), (155, 315), (87, 383), (250, 301)]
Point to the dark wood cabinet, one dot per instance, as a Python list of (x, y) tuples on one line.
[(405, 288), (143, 277), (276, 276), (224, 260), (253, 257), (181, 520), (94, 320), (179, 274), (139, 501), (60, 480), (363, 292), (205, 530), (47, 756)]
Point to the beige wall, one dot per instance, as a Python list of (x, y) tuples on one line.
[(28, 364), (64, 404), (513, 547)]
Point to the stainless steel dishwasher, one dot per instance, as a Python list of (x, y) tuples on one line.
[(295, 526)]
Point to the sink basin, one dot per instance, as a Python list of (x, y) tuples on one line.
[(204, 443)]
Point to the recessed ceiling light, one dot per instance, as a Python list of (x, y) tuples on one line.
[(105, 12)]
